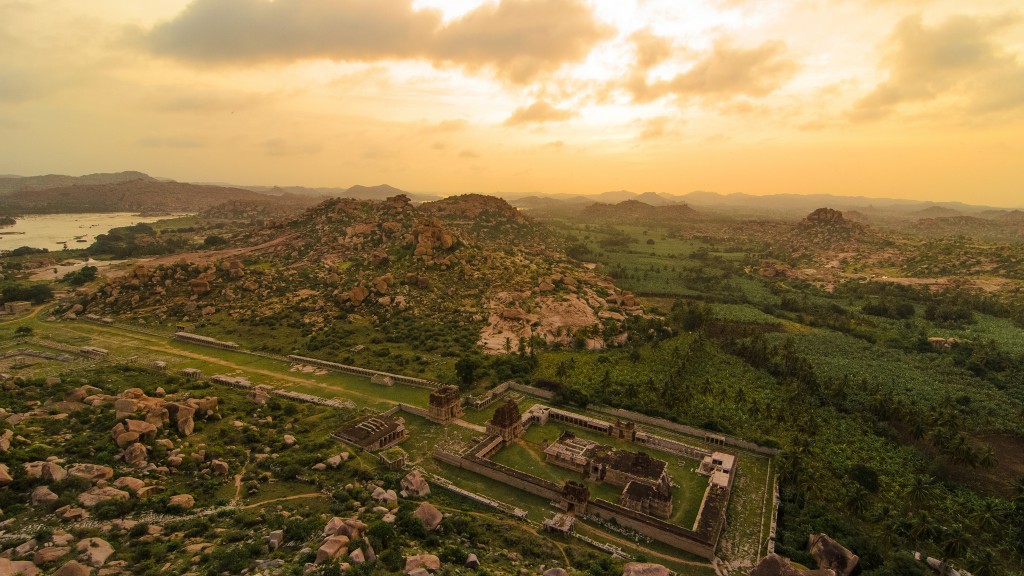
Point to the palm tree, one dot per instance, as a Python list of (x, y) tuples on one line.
[(954, 545), (985, 564), (922, 527), (859, 501), (921, 491), (989, 515)]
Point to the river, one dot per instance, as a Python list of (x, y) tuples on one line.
[(59, 231)]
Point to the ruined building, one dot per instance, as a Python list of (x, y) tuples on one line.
[(445, 405), (507, 422), (373, 433), (647, 487)]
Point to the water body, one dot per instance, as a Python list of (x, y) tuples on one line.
[(59, 231)]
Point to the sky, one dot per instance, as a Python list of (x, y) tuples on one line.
[(919, 99)]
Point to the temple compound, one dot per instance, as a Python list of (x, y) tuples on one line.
[(374, 432), (507, 422), (445, 405), (646, 502), (646, 485)]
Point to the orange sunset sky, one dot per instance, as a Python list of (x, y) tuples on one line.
[(918, 99)]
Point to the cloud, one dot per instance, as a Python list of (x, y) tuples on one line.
[(516, 39), (178, 142), (958, 59), (282, 147), (444, 126), (725, 72), (522, 38), (654, 128), (539, 111), (649, 48)]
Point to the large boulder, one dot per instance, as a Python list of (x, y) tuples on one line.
[(73, 568), (349, 527), (133, 485), (428, 515), (555, 572), (19, 568), (145, 430), (275, 539), (422, 561), (100, 494), (332, 547), (5, 476), (220, 468), (415, 485), (51, 554), (831, 555), (91, 472), (644, 569), (181, 502), (94, 551), (42, 495), (45, 470), (775, 565), (135, 455)]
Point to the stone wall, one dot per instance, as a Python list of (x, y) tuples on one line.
[(533, 391), (688, 430), (670, 446), (602, 509), (503, 474), (365, 372), (653, 528)]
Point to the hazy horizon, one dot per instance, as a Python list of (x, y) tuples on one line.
[(886, 99)]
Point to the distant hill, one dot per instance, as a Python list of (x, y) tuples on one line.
[(379, 192), (637, 211), (9, 184), (138, 195), (936, 212), (800, 204)]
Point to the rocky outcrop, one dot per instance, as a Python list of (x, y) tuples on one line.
[(832, 555)]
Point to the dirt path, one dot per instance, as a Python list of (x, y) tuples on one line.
[(238, 480), (31, 314), (152, 343), (282, 499), (201, 257)]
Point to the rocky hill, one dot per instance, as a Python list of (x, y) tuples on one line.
[(469, 260), (137, 195)]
